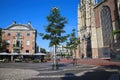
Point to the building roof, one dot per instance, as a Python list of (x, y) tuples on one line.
[(15, 26)]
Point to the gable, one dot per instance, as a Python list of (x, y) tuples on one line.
[(15, 26), (19, 27)]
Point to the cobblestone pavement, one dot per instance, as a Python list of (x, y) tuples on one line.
[(16, 74), (43, 71)]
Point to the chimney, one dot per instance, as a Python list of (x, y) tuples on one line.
[(14, 22)]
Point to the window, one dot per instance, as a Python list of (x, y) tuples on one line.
[(27, 51), (106, 22), (17, 43), (13, 45), (28, 34), (8, 34), (27, 42), (19, 34), (7, 42)]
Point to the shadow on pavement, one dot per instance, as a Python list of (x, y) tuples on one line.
[(61, 65), (96, 74), (111, 67), (70, 76)]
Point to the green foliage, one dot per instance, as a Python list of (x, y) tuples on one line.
[(73, 41), (42, 50), (0, 38), (55, 28), (2, 42), (116, 32), (3, 46), (4, 61), (64, 55), (36, 61), (18, 60), (1, 61)]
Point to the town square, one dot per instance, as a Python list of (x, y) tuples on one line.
[(60, 40)]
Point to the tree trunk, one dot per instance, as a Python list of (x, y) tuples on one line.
[(55, 66)]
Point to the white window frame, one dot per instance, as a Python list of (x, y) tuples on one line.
[(27, 42)]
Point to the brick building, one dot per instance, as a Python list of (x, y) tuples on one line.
[(106, 23), (20, 38), (96, 23)]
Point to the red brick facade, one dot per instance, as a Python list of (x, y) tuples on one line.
[(20, 38), (106, 21), (97, 9), (96, 24)]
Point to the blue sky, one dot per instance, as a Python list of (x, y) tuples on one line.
[(36, 11)]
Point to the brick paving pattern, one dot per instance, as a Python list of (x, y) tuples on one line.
[(97, 62)]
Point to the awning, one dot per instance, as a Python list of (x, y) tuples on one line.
[(3, 53), (42, 54), (23, 54), (13, 54)]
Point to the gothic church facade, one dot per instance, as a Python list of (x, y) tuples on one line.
[(96, 23)]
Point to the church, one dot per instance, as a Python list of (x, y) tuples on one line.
[(96, 23)]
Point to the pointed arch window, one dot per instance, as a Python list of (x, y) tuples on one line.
[(106, 24)]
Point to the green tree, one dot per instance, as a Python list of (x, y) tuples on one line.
[(2, 42), (0, 39), (72, 44), (54, 30), (117, 31), (42, 50)]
